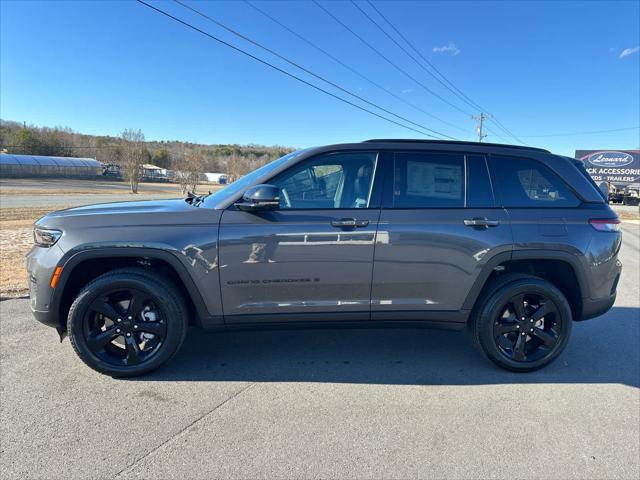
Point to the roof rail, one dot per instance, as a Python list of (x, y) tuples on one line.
[(451, 142)]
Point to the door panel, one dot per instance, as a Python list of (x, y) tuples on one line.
[(439, 226), (296, 262), (428, 259), (313, 257)]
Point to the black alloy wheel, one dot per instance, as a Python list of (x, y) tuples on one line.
[(127, 322), (528, 327), (521, 322), (124, 327)]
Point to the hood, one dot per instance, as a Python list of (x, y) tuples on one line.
[(130, 214), (116, 208)]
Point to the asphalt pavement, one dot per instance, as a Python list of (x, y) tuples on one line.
[(50, 192), (328, 404)]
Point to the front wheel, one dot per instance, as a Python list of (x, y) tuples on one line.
[(523, 323), (127, 322)]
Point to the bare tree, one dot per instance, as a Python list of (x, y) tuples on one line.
[(133, 156), (237, 166), (189, 168)]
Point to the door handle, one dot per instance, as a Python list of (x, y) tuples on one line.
[(349, 223), (481, 222)]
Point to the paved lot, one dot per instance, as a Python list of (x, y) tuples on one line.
[(327, 404), (75, 200), (51, 192), (56, 184)]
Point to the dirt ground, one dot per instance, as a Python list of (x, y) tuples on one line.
[(16, 239)]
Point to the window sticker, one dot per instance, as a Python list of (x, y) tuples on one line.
[(434, 180)]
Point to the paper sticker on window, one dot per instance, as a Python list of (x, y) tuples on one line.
[(434, 180)]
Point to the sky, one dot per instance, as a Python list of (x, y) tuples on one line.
[(540, 68)]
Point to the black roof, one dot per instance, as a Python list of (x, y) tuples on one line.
[(452, 142)]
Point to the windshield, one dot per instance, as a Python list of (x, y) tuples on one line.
[(249, 179)]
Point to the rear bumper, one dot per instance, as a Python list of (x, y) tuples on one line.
[(594, 308)]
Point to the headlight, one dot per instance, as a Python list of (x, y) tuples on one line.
[(45, 237)]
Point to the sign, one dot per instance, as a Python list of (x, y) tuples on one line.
[(619, 167)]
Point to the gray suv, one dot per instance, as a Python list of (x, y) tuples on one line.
[(511, 243)]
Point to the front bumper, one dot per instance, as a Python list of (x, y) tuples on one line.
[(41, 263)]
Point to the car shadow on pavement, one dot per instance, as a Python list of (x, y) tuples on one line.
[(603, 350)]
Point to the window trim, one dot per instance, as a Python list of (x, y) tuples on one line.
[(498, 192), (492, 188)]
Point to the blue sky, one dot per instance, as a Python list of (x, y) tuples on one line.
[(540, 67)]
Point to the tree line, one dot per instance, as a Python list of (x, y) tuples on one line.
[(130, 151)]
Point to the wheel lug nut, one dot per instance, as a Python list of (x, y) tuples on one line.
[(117, 330), (522, 318), (119, 320), (135, 326), (517, 326), (128, 334), (129, 317)]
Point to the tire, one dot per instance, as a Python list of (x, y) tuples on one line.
[(526, 342), (158, 324)]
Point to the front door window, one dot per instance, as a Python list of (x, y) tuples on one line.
[(340, 180)]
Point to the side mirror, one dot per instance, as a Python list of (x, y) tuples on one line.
[(260, 197)]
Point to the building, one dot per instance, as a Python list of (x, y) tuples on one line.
[(12, 165), (219, 178), (612, 167), (154, 172)]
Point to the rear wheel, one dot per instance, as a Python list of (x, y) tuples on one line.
[(127, 322), (523, 323)]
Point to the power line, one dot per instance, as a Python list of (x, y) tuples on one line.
[(459, 93), (495, 134), (348, 67), (592, 132), (409, 55), (291, 75), (462, 94), (304, 69), (390, 62), (504, 129)]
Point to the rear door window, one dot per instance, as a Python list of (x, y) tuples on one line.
[(523, 182), (428, 180)]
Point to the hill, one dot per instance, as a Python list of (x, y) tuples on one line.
[(233, 159)]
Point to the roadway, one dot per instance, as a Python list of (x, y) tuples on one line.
[(328, 404)]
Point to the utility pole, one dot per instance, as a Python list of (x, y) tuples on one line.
[(480, 119)]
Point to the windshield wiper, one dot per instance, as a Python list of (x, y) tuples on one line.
[(194, 199)]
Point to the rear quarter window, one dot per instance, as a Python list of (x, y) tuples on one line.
[(523, 182)]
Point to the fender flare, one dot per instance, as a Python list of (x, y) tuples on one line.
[(73, 258), (527, 254)]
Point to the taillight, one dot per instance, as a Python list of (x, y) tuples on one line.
[(605, 224)]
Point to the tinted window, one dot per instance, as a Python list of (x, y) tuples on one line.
[(526, 183), (341, 180), (428, 180), (479, 192)]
